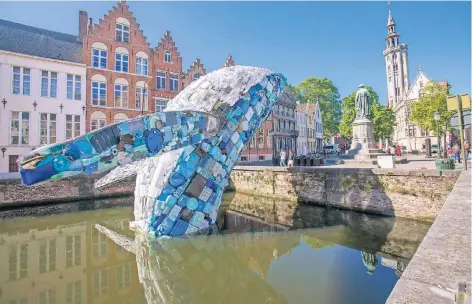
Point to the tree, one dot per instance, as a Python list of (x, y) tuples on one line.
[(382, 117), (434, 99), (323, 90)]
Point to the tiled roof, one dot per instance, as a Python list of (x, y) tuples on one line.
[(24, 39)]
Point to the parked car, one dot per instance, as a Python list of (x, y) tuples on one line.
[(331, 149)]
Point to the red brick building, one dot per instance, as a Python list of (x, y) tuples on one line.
[(195, 71), (125, 76)]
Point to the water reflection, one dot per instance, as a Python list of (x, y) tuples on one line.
[(266, 251)]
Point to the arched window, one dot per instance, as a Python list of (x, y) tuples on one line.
[(167, 56), (142, 63), (99, 90), (121, 93), (122, 30), (97, 120), (119, 117), (196, 76), (121, 59), (99, 55), (141, 96)]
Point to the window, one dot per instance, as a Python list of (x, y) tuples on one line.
[(261, 157), (120, 117), (161, 80), (73, 250), (47, 130), (99, 244), (72, 126), (121, 95), (97, 120), (167, 56), (99, 58), (160, 105), (12, 163), (74, 293), (260, 138), (18, 262), (141, 66), (397, 91), (424, 132), (123, 275), (47, 297), (122, 33), (21, 81), (48, 84), (99, 93), (74, 87), (121, 62), (100, 282), (243, 158), (19, 128), (141, 98), (252, 143), (47, 256), (174, 82), (196, 76)]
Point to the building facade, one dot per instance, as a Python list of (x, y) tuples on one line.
[(195, 71), (401, 94), (284, 118), (318, 129), (42, 91), (125, 76), (302, 140)]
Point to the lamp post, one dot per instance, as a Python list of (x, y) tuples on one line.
[(437, 116)]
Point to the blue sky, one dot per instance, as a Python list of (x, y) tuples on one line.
[(342, 41)]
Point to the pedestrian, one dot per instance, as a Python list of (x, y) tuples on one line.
[(283, 157), (290, 158), (467, 149), (456, 150), (398, 151)]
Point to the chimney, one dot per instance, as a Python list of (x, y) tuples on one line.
[(83, 18)]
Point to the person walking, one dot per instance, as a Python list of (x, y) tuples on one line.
[(283, 157), (467, 149), (290, 158), (456, 150), (398, 151)]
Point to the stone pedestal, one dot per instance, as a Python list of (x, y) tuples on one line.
[(363, 142)]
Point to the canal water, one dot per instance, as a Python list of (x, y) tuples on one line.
[(262, 251)]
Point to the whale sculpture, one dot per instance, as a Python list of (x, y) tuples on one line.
[(182, 157)]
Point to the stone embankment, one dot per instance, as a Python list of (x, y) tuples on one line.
[(443, 260), (411, 194)]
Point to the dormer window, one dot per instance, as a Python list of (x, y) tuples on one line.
[(122, 33), (167, 56)]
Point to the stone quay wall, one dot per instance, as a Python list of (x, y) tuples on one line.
[(14, 194), (403, 193), (395, 192)]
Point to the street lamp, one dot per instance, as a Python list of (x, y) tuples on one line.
[(437, 116)]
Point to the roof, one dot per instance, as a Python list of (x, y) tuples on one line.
[(28, 40)]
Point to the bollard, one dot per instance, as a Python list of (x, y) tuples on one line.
[(461, 295)]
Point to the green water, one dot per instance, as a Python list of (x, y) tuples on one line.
[(265, 251)]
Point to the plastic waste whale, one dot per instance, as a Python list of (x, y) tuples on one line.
[(182, 157)]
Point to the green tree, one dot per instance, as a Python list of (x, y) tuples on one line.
[(323, 90), (382, 117), (434, 99)]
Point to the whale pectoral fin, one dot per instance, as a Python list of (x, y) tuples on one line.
[(118, 144)]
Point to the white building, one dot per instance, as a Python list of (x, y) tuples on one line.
[(42, 90), (318, 129), (302, 140), (401, 94)]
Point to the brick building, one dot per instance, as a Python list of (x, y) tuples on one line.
[(125, 76), (195, 71)]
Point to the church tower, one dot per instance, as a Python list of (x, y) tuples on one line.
[(396, 64)]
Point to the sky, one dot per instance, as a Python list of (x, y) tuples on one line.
[(342, 41)]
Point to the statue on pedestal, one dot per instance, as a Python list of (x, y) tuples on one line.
[(362, 103)]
